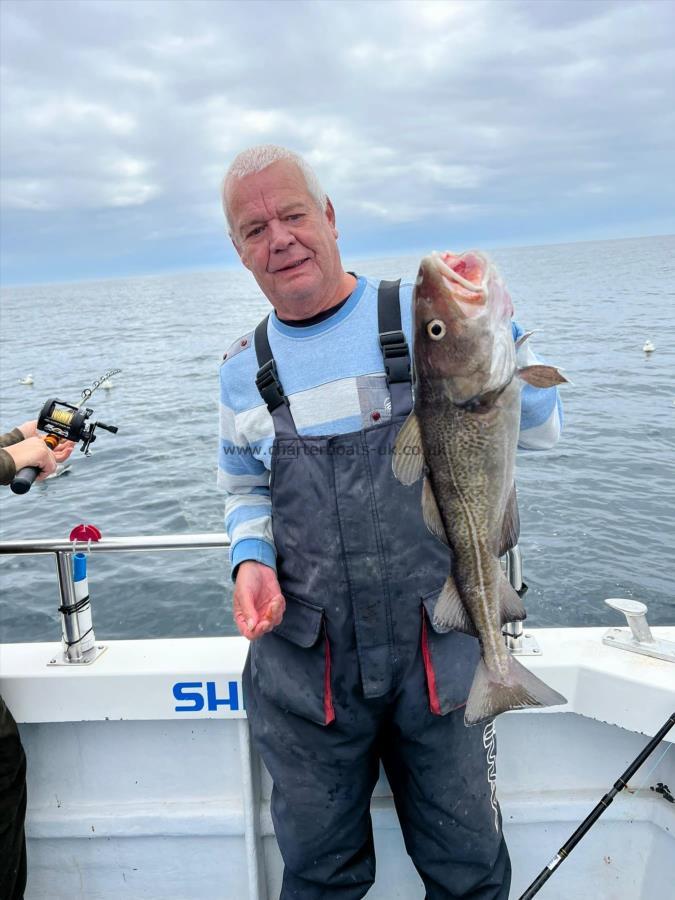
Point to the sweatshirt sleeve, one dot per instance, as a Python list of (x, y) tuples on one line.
[(14, 436), (7, 466), (541, 415), (245, 482)]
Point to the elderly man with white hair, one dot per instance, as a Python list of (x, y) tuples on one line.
[(336, 575)]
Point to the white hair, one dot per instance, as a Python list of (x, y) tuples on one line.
[(255, 159)]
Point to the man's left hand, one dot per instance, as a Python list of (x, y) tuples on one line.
[(258, 603)]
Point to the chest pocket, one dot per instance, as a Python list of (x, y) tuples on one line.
[(290, 665)]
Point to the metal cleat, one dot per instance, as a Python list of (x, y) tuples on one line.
[(639, 639)]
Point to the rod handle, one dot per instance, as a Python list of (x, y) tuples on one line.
[(23, 479)]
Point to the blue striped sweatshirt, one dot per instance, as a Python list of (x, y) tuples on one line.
[(333, 375)]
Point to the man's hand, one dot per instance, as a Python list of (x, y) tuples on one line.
[(258, 603), (63, 450), (29, 429), (33, 452)]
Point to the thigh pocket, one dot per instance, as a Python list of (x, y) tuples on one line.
[(450, 660), (291, 664)]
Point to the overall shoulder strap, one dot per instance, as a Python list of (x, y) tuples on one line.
[(394, 346), (269, 386)]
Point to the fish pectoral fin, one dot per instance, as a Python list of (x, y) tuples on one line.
[(521, 340), (510, 524), (408, 461), (431, 513), (492, 693), (450, 613), (541, 376), (510, 604)]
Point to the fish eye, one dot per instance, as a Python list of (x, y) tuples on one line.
[(436, 329)]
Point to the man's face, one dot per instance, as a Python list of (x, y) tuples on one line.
[(286, 240)]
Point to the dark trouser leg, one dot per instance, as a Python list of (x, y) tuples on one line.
[(442, 776), (12, 809), (323, 780)]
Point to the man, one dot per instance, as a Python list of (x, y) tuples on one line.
[(336, 574), (18, 448)]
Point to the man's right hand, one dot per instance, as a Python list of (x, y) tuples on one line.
[(35, 453), (258, 603)]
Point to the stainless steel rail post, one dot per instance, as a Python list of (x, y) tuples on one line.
[(77, 630), (513, 631), (79, 642), (518, 642)]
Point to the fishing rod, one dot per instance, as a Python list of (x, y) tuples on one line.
[(64, 422), (593, 817)]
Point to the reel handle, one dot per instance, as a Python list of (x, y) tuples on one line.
[(24, 479)]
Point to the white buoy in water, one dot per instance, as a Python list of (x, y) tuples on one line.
[(648, 347), (28, 379), (107, 384)]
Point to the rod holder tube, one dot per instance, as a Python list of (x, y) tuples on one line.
[(70, 626), (77, 630), (83, 613)]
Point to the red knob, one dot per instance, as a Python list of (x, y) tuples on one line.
[(85, 533)]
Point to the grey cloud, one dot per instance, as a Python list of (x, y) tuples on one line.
[(411, 112)]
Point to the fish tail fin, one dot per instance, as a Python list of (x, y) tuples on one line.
[(492, 694)]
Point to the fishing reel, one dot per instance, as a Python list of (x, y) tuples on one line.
[(69, 423), (62, 422)]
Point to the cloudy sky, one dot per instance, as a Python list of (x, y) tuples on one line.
[(431, 124)]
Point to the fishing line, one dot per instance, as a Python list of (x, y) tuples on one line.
[(648, 775)]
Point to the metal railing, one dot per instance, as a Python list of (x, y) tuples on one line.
[(107, 545), (78, 638), (77, 630)]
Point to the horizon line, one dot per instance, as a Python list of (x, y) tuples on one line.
[(373, 255)]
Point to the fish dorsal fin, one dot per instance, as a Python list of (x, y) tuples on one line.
[(408, 461), (541, 376), (510, 524), (431, 513), (450, 613), (510, 604)]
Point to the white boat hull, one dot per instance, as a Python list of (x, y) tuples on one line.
[(131, 798)]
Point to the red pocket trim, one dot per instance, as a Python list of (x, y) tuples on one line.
[(329, 712), (434, 703)]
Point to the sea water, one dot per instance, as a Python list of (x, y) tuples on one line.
[(597, 512)]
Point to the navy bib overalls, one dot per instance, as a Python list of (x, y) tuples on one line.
[(355, 673)]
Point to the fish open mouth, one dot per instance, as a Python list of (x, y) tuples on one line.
[(466, 278)]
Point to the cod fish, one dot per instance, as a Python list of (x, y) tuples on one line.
[(461, 438)]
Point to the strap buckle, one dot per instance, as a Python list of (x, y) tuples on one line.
[(396, 356), (269, 386)]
